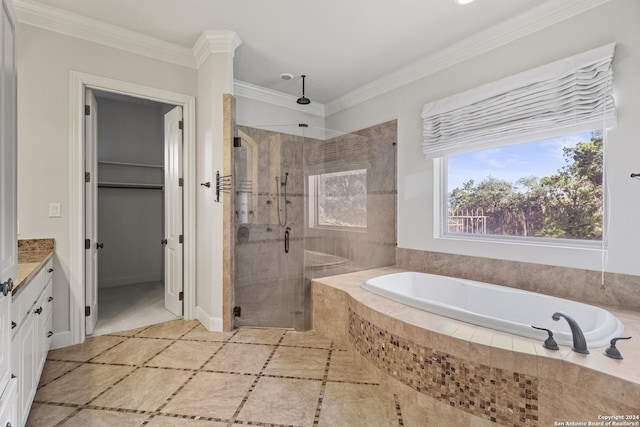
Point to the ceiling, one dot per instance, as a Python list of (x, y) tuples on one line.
[(339, 44)]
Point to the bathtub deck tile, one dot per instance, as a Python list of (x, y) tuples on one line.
[(502, 341)]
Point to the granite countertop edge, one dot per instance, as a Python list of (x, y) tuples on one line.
[(33, 254)]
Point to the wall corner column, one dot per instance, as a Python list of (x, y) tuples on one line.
[(214, 53)]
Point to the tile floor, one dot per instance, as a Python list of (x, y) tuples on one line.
[(178, 374)]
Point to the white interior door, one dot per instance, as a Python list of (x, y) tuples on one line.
[(173, 211), (91, 211), (8, 160)]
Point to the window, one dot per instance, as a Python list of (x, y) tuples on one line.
[(523, 155), (338, 199), (550, 188)]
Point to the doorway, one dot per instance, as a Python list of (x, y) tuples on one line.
[(133, 212)]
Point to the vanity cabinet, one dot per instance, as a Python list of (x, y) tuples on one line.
[(31, 337)]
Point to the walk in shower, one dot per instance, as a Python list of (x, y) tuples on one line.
[(309, 203)]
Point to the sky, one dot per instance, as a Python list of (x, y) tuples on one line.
[(512, 162)]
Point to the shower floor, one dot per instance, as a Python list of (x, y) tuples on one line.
[(131, 306)]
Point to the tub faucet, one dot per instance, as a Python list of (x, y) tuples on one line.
[(579, 343)]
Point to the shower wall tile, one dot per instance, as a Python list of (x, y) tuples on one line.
[(261, 257), (610, 289)]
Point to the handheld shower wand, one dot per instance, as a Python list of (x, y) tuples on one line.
[(283, 184)]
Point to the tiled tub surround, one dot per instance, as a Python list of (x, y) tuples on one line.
[(179, 374), (32, 255), (469, 375), (588, 286)]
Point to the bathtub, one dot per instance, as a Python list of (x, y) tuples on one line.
[(496, 307)]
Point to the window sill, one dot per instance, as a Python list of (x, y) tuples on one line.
[(534, 241)]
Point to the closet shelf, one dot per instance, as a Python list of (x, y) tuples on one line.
[(139, 165), (130, 185)]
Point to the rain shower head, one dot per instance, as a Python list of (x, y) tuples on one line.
[(303, 100)]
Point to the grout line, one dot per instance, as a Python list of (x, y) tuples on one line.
[(398, 410), (39, 386), (68, 417), (195, 372), (255, 382), (80, 363), (323, 387), (154, 414)]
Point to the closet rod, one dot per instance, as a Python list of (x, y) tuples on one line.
[(130, 186)]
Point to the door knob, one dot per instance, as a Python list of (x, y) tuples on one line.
[(50, 270), (163, 241), (99, 245), (38, 310), (6, 287)]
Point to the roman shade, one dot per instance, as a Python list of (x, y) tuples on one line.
[(568, 96)]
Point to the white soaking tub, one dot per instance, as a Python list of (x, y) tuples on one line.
[(497, 307)]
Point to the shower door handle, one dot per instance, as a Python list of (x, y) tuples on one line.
[(286, 242)]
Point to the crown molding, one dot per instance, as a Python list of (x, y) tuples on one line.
[(222, 41), (539, 18), (281, 99), (71, 24)]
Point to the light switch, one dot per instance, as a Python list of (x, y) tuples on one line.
[(54, 210)]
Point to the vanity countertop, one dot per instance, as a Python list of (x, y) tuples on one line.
[(32, 255)]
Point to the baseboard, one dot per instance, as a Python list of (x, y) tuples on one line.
[(213, 324), (129, 280), (61, 339)]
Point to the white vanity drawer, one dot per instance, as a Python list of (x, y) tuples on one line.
[(27, 296)]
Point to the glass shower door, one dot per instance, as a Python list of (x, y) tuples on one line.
[(268, 225)]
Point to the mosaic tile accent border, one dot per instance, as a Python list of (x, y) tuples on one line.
[(498, 395)]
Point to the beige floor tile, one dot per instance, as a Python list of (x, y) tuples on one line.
[(344, 367), (129, 332), (357, 405), (169, 421), (42, 415), (243, 358), (146, 389), (306, 339), (96, 418), (282, 401), (85, 351), (173, 329), (201, 333), (298, 362), (134, 351), (211, 395), (53, 370), (83, 384), (185, 355), (258, 336)]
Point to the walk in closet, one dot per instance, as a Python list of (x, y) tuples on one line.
[(130, 219)]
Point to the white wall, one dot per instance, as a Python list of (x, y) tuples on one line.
[(215, 78), (263, 115), (44, 60), (615, 21), (130, 220)]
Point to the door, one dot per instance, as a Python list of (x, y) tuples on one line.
[(91, 211), (173, 211), (8, 160)]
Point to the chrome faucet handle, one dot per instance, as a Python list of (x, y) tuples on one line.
[(549, 343), (613, 351)]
